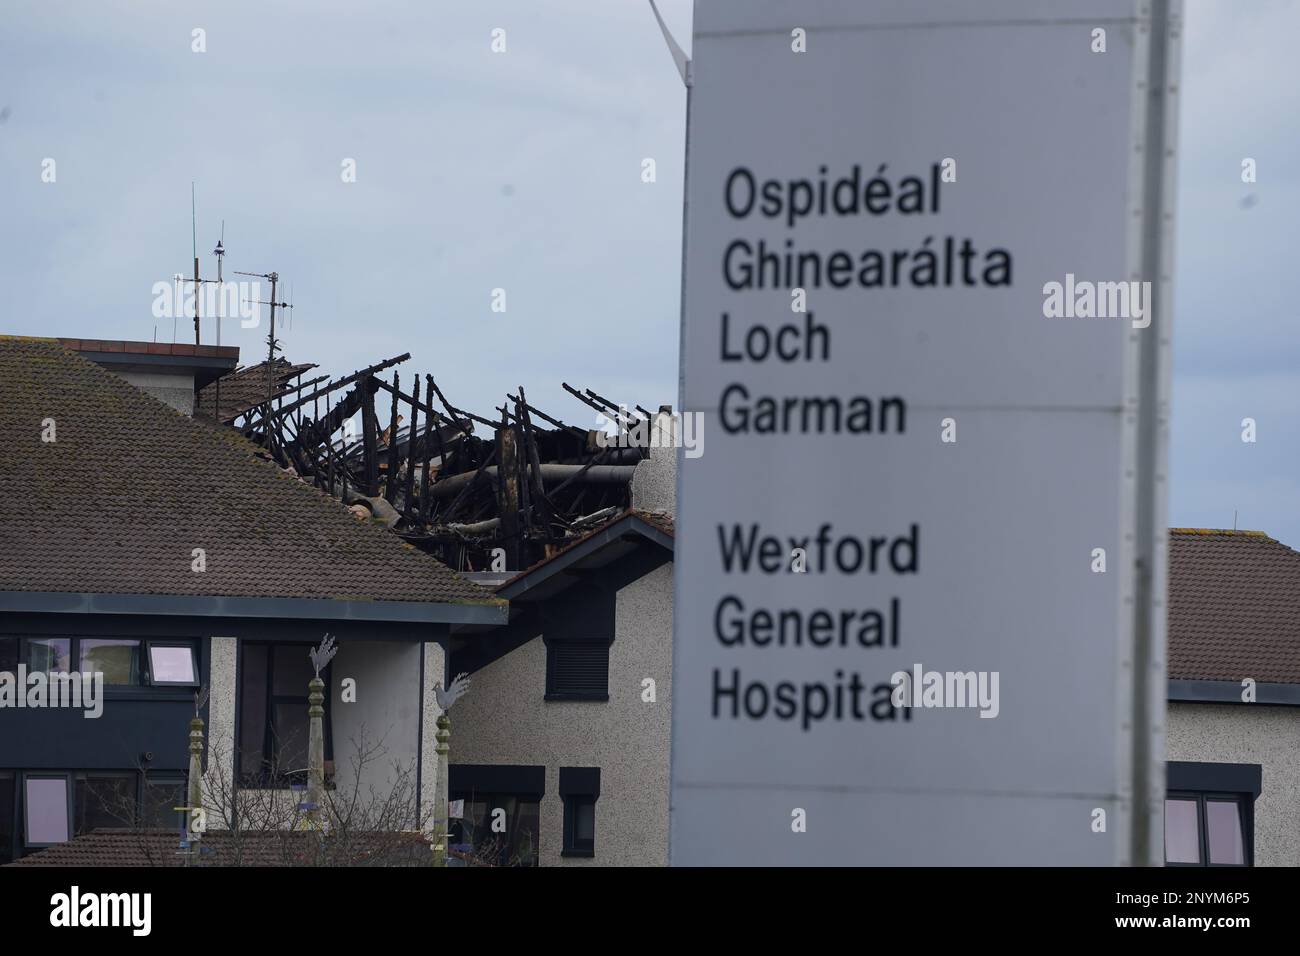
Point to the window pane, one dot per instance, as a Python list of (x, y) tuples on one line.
[(1182, 832), (160, 802), (103, 802), (6, 817), (172, 665), (117, 660), (517, 846), (1223, 820), (526, 831), (49, 654), (8, 655), (252, 707), (293, 671), (46, 801), (585, 821), (291, 736)]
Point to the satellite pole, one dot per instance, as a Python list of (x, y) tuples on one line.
[(272, 346), (194, 246), (220, 253)]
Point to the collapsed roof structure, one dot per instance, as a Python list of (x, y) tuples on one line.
[(478, 493)]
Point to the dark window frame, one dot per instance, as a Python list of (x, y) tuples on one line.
[(1240, 784), (1201, 798), (554, 689), (579, 788), (142, 669), (263, 778), (25, 642), (493, 800), (14, 824), (475, 782), (148, 674), (80, 775), (166, 779), (146, 689), (589, 625), (15, 781)]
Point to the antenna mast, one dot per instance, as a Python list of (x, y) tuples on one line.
[(194, 248), (220, 253), (272, 346)]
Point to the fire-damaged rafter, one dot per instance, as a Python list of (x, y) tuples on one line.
[(479, 493)]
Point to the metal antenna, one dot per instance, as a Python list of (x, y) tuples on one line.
[(194, 248), (177, 302), (272, 346), (220, 253)]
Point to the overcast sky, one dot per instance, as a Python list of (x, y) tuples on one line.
[(522, 171)]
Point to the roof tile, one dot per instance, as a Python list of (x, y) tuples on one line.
[(1234, 607)]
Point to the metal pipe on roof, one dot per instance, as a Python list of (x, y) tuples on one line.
[(595, 474)]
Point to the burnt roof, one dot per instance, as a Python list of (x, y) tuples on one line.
[(1234, 607), (117, 502), (246, 388)]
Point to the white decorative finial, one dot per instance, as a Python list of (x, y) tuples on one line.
[(454, 692), (320, 656)]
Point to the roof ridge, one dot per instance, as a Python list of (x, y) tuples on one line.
[(1228, 531)]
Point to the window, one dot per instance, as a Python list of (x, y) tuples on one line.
[(39, 808), (273, 721), (124, 662), (161, 798), (1210, 815), (1182, 830), (577, 670), (577, 635), (172, 664), (49, 654), (117, 659), (498, 829), (501, 822), (103, 800), (579, 789), (45, 810), (1204, 830), (8, 657)]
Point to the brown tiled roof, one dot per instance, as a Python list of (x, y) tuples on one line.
[(245, 388), (117, 503), (124, 847), (1234, 607)]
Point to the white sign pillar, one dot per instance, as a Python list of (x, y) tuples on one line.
[(926, 317)]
